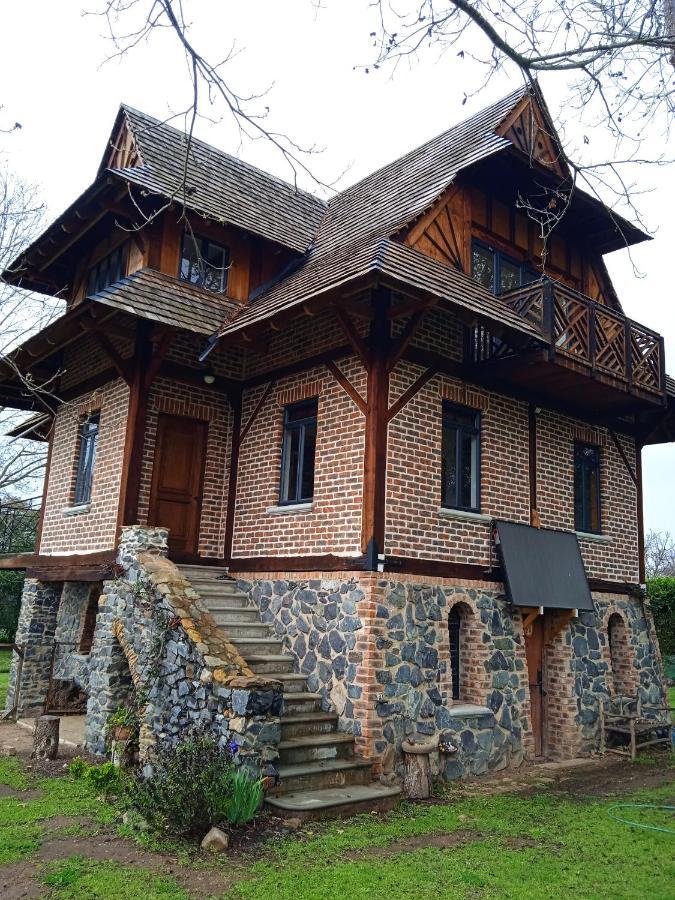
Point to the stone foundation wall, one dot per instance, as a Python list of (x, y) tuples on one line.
[(70, 664), (157, 645)]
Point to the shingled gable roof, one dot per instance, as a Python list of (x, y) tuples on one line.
[(396, 265), (217, 185)]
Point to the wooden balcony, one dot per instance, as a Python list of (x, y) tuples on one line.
[(623, 360)]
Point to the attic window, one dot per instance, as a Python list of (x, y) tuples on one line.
[(496, 271), (204, 262), (107, 270)]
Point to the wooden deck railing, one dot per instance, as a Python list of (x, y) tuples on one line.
[(18, 527), (591, 334)]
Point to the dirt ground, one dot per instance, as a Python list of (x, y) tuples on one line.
[(601, 777)]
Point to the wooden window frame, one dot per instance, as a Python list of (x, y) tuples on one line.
[(461, 428), (85, 465), (583, 523), (203, 244), (289, 427), (500, 257), (99, 275)]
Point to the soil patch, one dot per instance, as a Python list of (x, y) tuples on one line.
[(418, 842), (612, 777)]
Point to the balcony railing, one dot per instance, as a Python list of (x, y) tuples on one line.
[(18, 527), (587, 333)]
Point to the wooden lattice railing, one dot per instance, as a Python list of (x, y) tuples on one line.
[(592, 334)]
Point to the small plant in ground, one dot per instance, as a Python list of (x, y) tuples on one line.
[(189, 787), (107, 778), (245, 794)]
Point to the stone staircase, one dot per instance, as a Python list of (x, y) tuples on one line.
[(321, 776)]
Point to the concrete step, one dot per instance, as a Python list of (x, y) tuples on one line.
[(299, 703), (303, 724), (217, 589), (237, 630), (228, 601), (335, 803), (315, 747), (323, 774), (260, 645), (269, 663), (292, 682), (234, 615)]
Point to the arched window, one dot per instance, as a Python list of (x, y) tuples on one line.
[(619, 655), (459, 632)]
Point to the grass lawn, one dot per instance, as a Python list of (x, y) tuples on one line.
[(5, 661), (546, 844)]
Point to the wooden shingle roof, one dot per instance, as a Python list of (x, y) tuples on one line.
[(397, 265), (219, 186)]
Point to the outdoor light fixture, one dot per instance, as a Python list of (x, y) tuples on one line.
[(209, 376)]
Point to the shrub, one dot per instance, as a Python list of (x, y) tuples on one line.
[(11, 586), (661, 593), (107, 778), (189, 788)]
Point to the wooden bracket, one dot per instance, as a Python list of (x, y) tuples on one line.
[(259, 405), (407, 395), (354, 337), (623, 456), (531, 616), (402, 342), (123, 367), (347, 386), (561, 621)]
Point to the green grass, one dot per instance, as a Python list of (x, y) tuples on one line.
[(23, 820), (671, 697), (5, 662), (84, 879), (576, 849)]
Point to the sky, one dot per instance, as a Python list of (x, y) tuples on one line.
[(60, 78)]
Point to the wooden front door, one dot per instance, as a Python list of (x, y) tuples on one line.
[(534, 651), (177, 478)]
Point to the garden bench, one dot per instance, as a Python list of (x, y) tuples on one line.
[(629, 716)]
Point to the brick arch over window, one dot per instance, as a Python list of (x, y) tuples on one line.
[(621, 674), (467, 655)]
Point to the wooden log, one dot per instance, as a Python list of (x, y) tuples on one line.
[(46, 737), (417, 770)]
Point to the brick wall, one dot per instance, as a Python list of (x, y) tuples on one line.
[(95, 528)]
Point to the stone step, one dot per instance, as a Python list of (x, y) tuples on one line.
[(335, 803), (237, 630), (301, 702), (308, 723), (324, 774), (292, 682), (316, 747), (228, 601), (269, 663), (261, 645), (217, 589), (205, 572), (234, 615)]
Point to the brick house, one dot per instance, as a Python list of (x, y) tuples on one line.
[(394, 438)]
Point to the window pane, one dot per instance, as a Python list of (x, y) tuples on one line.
[(309, 452), (586, 488), (509, 275), (449, 468), (454, 627), (468, 472), (189, 266), (593, 487), (483, 266), (467, 417), (291, 457)]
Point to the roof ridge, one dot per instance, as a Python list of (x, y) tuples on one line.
[(163, 123), (513, 97)]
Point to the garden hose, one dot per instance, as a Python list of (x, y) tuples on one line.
[(640, 824)]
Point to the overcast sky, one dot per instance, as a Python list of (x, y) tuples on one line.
[(54, 80)]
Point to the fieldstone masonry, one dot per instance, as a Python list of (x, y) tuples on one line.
[(35, 635), (154, 637)]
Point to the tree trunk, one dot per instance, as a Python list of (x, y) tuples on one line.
[(417, 772), (46, 737)]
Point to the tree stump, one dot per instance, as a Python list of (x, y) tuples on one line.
[(417, 769), (46, 737)]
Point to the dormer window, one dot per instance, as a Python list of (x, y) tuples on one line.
[(107, 270), (204, 262), (496, 271)]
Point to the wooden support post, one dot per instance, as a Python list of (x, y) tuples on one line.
[(46, 737), (235, 398), (134, 441), (417, 770), (375, 455)]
